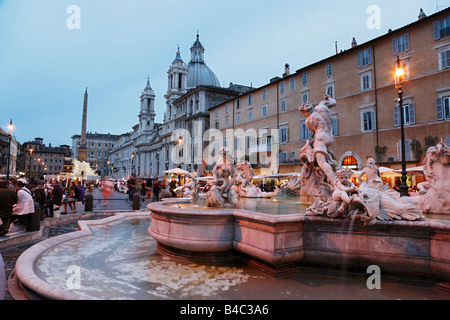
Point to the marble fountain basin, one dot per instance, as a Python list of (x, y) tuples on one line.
[(282, 243)]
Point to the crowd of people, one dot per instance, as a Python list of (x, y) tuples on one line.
[(19, 199)]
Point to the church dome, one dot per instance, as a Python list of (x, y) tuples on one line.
[(198, 72)]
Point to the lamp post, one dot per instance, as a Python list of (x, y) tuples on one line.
[(132, 165), (10, 127), (399, 79), (29, 169)]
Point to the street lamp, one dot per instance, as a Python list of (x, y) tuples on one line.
[(29, 169), (399, 79), (10, 127)]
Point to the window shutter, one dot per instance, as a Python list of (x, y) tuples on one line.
[(436, 30), (369, 55), (406, 41), (412, 113), (408, 155), (335, 127), (360, 55), (395, 46), (439, 110), (396, 116), (374, 120)]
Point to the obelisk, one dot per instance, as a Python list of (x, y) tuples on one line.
[(82, 149)]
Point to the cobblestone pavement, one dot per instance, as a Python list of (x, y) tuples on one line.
[(117, 201)]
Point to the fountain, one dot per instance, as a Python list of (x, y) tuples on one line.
[(392, 232), (329, 223)]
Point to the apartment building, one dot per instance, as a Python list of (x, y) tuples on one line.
[(98, 147), (366, 121)]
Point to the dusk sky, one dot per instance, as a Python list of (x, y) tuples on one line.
[(45, 66)]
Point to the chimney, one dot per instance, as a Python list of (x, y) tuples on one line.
[(336, 47), (354, 43), (287, 70), (421, 14)]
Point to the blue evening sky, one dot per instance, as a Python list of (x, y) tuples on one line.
[(45, 66)]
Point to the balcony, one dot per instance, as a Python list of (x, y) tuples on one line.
[(262, 144)]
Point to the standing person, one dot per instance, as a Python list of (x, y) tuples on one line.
[(25, 203), (39, 196), (8, 198), (149, 187), (107, 189), (131, 185), (173, 186), (80, 192), (156, 187)]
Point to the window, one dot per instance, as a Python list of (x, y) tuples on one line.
[(264, 94), (305, 97), (99, 154), (283, 157), (409, 114), (441, 28), (330, 90), (284, 136), (216, 125), (238, 118), (292, 84), (238, 103), (444, 59), (400, 44), (365, 57), (282, 90), (106, 154), (264, 111), (368, 122), (283, 105), (366, 81), (227, 122), (250, 115), (334, 126), (350, 162), (408, 153), (305, 133), (443, 108), (217, 112), (305, 79), (329, 70), (250, 99)]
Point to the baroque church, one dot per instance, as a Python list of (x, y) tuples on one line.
[(151, 148)]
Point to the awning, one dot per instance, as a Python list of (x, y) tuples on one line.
[(176, 171)]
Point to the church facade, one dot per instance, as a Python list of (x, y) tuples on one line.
[(151, 148)]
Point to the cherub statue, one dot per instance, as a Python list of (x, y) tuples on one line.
[(190, 188), (344, 189)]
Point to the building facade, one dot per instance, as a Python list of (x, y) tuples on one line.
[(366, 120), (151, 148), (98, 146), (41, 160)]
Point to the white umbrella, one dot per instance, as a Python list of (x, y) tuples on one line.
[(412, 170), (176, 171)]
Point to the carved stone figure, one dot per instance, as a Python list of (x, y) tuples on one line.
[(319, 161), (224, 175), (372, 173), (435, 192), (243, 185), (190, 188), (293, 186)]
